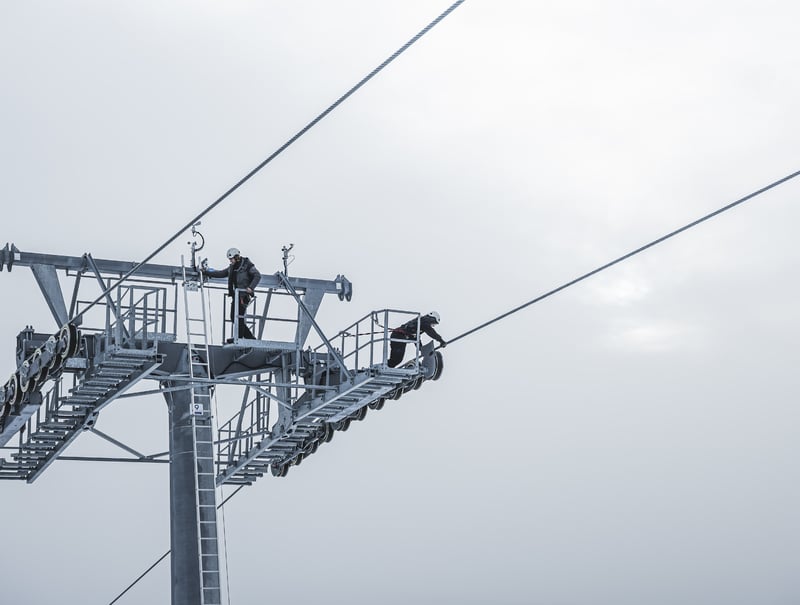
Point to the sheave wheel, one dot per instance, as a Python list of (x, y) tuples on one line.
[(39, 370), (74, 340), (52, 346), (27, 381), (13, 392), (64, 342), (437, 373), (279, 470)]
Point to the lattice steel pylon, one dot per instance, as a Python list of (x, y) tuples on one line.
[(296, 396)]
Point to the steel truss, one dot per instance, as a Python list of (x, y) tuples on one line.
[(294, 396)]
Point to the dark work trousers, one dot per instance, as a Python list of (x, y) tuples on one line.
[(244, 331), (398, 349)]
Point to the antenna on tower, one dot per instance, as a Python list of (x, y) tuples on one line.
[(195, 248), (287, 258)]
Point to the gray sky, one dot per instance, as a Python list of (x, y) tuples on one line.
[(633, 439)]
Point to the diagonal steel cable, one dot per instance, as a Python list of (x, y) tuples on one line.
[(655, 242), (166, 554), (277, 152), (241, 182)]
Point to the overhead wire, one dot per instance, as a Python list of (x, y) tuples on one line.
[(638, 250), (560, 288), (469, 332), (241, 182), (564, 286), (166, 554), (275, 153)]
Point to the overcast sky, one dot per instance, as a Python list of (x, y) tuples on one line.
[(633, 439)]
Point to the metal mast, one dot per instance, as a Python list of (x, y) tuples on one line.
[(295, 396)]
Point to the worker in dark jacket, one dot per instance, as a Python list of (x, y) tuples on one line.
[(408, 333), (242, 275)]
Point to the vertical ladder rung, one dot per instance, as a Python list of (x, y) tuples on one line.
[(197, 346)]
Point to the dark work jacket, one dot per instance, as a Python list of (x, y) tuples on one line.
[(241, 275), (409, 329)]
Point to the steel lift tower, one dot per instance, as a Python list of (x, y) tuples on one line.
[(155, 326)]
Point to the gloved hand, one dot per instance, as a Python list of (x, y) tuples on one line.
[(443, 343)]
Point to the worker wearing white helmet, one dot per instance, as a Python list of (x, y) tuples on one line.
[(408, 333), (242, 276)]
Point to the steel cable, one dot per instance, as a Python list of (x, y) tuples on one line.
[(485, 324), (166, 554), (663, 238), (276, 153), (241, 182)]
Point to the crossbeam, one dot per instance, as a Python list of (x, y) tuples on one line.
[(11, 256)]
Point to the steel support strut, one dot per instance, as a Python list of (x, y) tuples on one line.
[(191, 522)]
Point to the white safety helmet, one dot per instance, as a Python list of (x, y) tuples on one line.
[(233, 252), (435, 316)]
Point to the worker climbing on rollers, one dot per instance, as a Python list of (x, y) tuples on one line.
[(406, 333), (243, 276)]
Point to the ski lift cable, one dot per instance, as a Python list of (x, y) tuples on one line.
[(276, 153), (661, 239), (485, 324), (166, 554), (246, 178)]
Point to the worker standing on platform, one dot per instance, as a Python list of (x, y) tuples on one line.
[(243, 276), (408, 333)]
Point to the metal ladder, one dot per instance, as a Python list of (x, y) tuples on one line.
[(197, 331)]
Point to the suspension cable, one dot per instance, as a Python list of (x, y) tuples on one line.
[(485, 324), (663, 238), (166, 554), (276, 153), (241, 182)]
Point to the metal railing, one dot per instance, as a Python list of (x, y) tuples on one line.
[(243, 432), (367, 342), (141, 317), (135, 317)]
